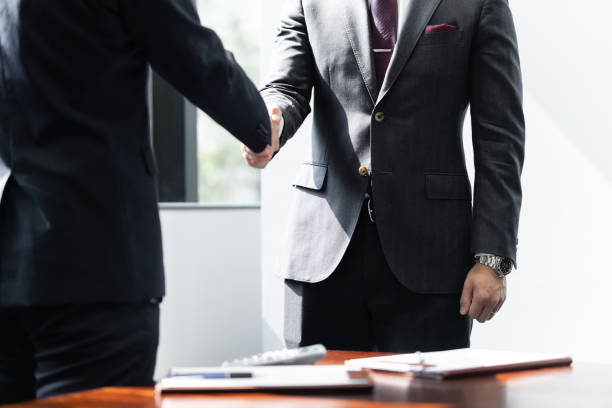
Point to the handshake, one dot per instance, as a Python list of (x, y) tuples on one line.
[(261, 159)]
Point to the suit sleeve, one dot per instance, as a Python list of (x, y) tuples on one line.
[(498, 132), (192, 58), (292, 74)]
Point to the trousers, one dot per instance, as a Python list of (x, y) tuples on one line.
[(51, 350), (363, 307)]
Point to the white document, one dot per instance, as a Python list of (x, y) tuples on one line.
[(264, 378), (5, 173), (441, 364)]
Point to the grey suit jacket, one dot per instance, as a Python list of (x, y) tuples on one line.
[(408, 133)]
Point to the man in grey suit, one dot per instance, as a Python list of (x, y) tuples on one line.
[(385, 249)]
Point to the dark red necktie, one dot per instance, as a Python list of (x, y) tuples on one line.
[(384, 34)]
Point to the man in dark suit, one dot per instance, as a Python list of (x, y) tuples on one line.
[(81, 270), (383, 237)]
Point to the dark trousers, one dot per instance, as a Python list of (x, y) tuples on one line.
[(52, 350), (363, 307)]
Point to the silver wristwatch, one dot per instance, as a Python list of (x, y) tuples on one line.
[(501, 266)]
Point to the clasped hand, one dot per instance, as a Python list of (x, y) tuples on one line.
[(261, 159)]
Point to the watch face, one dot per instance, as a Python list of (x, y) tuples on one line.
[(505, 266)]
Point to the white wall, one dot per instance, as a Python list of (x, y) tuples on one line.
[(212, 311), (559, 297)]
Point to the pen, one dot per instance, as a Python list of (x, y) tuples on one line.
[(212, 375)]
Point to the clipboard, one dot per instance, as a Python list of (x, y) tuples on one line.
[(295, 377), (459, 362)]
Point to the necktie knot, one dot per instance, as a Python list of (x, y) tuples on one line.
[(384, 18)]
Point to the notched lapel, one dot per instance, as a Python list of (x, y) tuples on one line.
[(357, 27), (418, 14)]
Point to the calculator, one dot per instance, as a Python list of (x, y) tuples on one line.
[(301, 355)]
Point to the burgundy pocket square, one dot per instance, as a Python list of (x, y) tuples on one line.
[(440, 28)]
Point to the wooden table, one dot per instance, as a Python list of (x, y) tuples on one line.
[(582, 385)]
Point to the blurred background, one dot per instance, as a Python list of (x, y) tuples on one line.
[(218, 160), (223, 222)]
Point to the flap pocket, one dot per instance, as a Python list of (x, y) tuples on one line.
[(311, 175), (447, 187)]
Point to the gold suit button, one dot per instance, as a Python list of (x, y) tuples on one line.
[(379, 116), (363, 171)]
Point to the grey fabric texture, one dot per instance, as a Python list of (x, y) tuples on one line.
[(428, 226)]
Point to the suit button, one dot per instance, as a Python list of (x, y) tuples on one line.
[(379, 116), (363, 171)]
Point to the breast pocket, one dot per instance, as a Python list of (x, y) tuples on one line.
[(441, 39), (439, 62)]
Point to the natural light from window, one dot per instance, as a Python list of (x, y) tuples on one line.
[(223, 177)]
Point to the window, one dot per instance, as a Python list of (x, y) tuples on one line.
[(198, 161), (222, 175)]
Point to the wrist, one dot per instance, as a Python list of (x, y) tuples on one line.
[(500, 265)]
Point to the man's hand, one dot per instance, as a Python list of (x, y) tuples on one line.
[(484, 293), (261, 159)]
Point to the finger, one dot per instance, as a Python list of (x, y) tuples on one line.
[(499, 305), (275, 115), (250, 158), (261, 159), (244, 148), (466, 297), (478, 304), (247, 154), (246, 158), (259, 162), (488, 311), (494, 311), (502, 299), (271, 107), (266, 154)]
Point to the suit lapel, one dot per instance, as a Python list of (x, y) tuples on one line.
[(418, 13), (356, 24)]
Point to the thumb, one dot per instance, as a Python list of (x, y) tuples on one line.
[(275, 114), (466, 296)]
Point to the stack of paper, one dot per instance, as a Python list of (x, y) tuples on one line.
[(263, 378), (442, 364)]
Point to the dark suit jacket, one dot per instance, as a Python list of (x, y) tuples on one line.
[(79, 218), (408, 134)]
